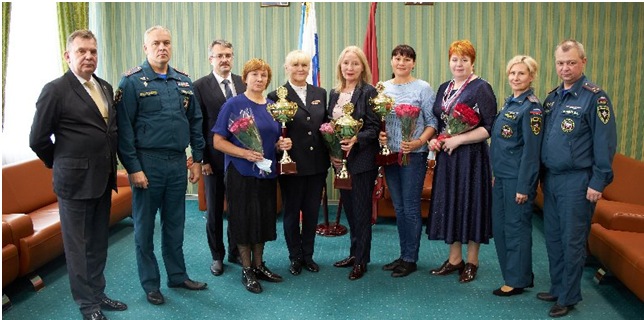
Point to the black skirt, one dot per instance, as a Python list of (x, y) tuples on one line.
[(252, 207)]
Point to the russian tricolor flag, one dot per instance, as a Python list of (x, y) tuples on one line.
[(309, 41)]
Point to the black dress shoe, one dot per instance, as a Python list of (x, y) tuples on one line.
[(263, 273), (112, 305), (559, 311), (345, 263), (235, 259), (311, 266), (545, 296), (404, 269), (469, 273), (217, 267), (155, 297), (392, 265), (190, 285), (296, 267), (358, 271), (98, 315), (501, 293), (448, 268), (250, 281)]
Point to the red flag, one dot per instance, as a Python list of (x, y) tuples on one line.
[(371, 44)]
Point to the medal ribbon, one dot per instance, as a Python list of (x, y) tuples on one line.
[(448, 103)]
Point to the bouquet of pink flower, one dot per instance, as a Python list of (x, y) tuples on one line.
[(462, 119), (407, 115), (331, 140), (244, 128)]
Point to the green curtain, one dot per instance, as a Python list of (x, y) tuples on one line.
[(6, 17), (72, 16)]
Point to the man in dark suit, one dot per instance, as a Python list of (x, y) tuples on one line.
[(77, 109), (212, 91)]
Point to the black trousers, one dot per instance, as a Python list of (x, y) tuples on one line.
[(301, 194), (215, 190), (84, 225), (357, 205)]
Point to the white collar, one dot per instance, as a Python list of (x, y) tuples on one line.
[(220, 78)]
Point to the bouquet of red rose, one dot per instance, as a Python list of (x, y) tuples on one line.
[(331, 140), (462, 119), (244, 128), (407, 115)]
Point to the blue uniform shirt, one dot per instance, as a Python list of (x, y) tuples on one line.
[(516, 141), (580, 132), (157, 116)]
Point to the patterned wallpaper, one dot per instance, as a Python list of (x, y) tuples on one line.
[(611, 33)]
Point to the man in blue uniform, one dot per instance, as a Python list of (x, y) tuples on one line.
[(158, 116), (577, 153)]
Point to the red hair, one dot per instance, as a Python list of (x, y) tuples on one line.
[(462, 48)]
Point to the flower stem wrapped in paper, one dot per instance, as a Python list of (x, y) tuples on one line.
[(461, 119), (243, 127), (407, 115), (331, 140)]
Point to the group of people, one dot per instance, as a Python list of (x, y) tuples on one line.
[(478, 190)]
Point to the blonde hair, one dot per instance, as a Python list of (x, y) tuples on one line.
[(296, 56), (532, 65), (254, 65), (365, 77)]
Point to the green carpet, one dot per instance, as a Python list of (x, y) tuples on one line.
[(325, 295)]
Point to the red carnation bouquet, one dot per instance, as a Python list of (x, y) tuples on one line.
[(407, 115), (462, 119), (244, 128), (331, 140)]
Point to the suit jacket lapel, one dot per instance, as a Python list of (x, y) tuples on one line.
[(294, 97), (111, 112), (309, 95), (333, 99), (83, 94), (216, 89), (240, 87)]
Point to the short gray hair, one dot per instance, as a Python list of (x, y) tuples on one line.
[(157, 27), (83, 34), (566, 45), (220, 42)]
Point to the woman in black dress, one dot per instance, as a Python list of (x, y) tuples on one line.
[(460, 209)]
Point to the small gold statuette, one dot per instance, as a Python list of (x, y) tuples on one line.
[(283, 111), (346, 127), (382, 105)]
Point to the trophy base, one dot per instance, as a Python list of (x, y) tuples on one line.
[(385, 160), (331, 230), (288, 168), (342, 183)]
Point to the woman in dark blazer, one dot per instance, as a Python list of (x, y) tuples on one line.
[(301, 192), (353, 86)]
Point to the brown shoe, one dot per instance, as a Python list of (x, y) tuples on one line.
[(358, 271), (469, 273), (346, 262), (448, 268)]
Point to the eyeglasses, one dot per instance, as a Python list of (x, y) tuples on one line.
[(223, 55)]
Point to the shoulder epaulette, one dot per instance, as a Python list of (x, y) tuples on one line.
[(533, 98), (591, 87), (181, 72), (132, 71), (553, 90)]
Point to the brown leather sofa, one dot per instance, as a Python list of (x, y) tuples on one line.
[(10, 260), (386, 206), (30, 212), (617, 230)]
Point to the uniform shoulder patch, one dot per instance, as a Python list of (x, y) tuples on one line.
[(118, 96), (533, 98), (181, 72), (553, 90), (132, 71), (591, 87)]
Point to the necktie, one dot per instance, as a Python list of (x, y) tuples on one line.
[(229, 92), (98, 99)]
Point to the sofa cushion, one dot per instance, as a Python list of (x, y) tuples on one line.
[(618, 252), (628, 181), (24, 195), (619, 216)]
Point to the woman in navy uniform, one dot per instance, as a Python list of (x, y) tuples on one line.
[(515, 152), (461, 206), (301, 192), (353, 74)]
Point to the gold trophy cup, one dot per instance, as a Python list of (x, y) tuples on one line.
[(382, 105), (283, 111), (346, 127)]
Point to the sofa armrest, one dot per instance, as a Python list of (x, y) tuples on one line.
[(20, 224), (122, 179), (622, 221)]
